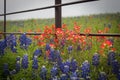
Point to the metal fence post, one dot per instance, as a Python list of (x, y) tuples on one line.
[(4, 18), (58, 19)]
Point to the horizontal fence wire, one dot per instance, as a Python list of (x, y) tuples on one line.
[(82, 34), (48, 7)]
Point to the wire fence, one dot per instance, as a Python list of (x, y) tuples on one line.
[(57, 18)]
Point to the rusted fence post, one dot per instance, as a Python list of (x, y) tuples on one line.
[(4, 18), (58, 19)]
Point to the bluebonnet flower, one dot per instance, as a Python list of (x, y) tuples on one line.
[(54, 71), (66, 69), (102, 76), (47, 48), (24, 41), (73, 65), (35, 63), (74, 76), (115, 67), (25, 61), (6, 71), (38, 52), (61, 66), (70, 48), (17, 67), (18, 58), (52, 56), (3, 45), (68, 63), (118, 75), (43, 73), (63, 77), (111, 57), (57, 52), (11, 42), (96, 59), (85, 69)]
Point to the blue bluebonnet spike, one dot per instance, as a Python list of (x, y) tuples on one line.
[(66, 70), (35, 63), (18, 58), (52, 55), (74, 76), (57, 54), (6, 71), (17, 68), (111, 57), (118, 75), (24, 41), (96, 59), (73, 65), (85, 69), (61, 66), (115, 67), (11, 42), (70, 48), (43, 73), (63, 77), (3, 45), (68, 63), (38, 52), (47, 48), (54, 71), (102, 76), (25, 61), (13, 49), (14, 44)]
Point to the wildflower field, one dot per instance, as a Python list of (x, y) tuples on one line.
[(62, 53)]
